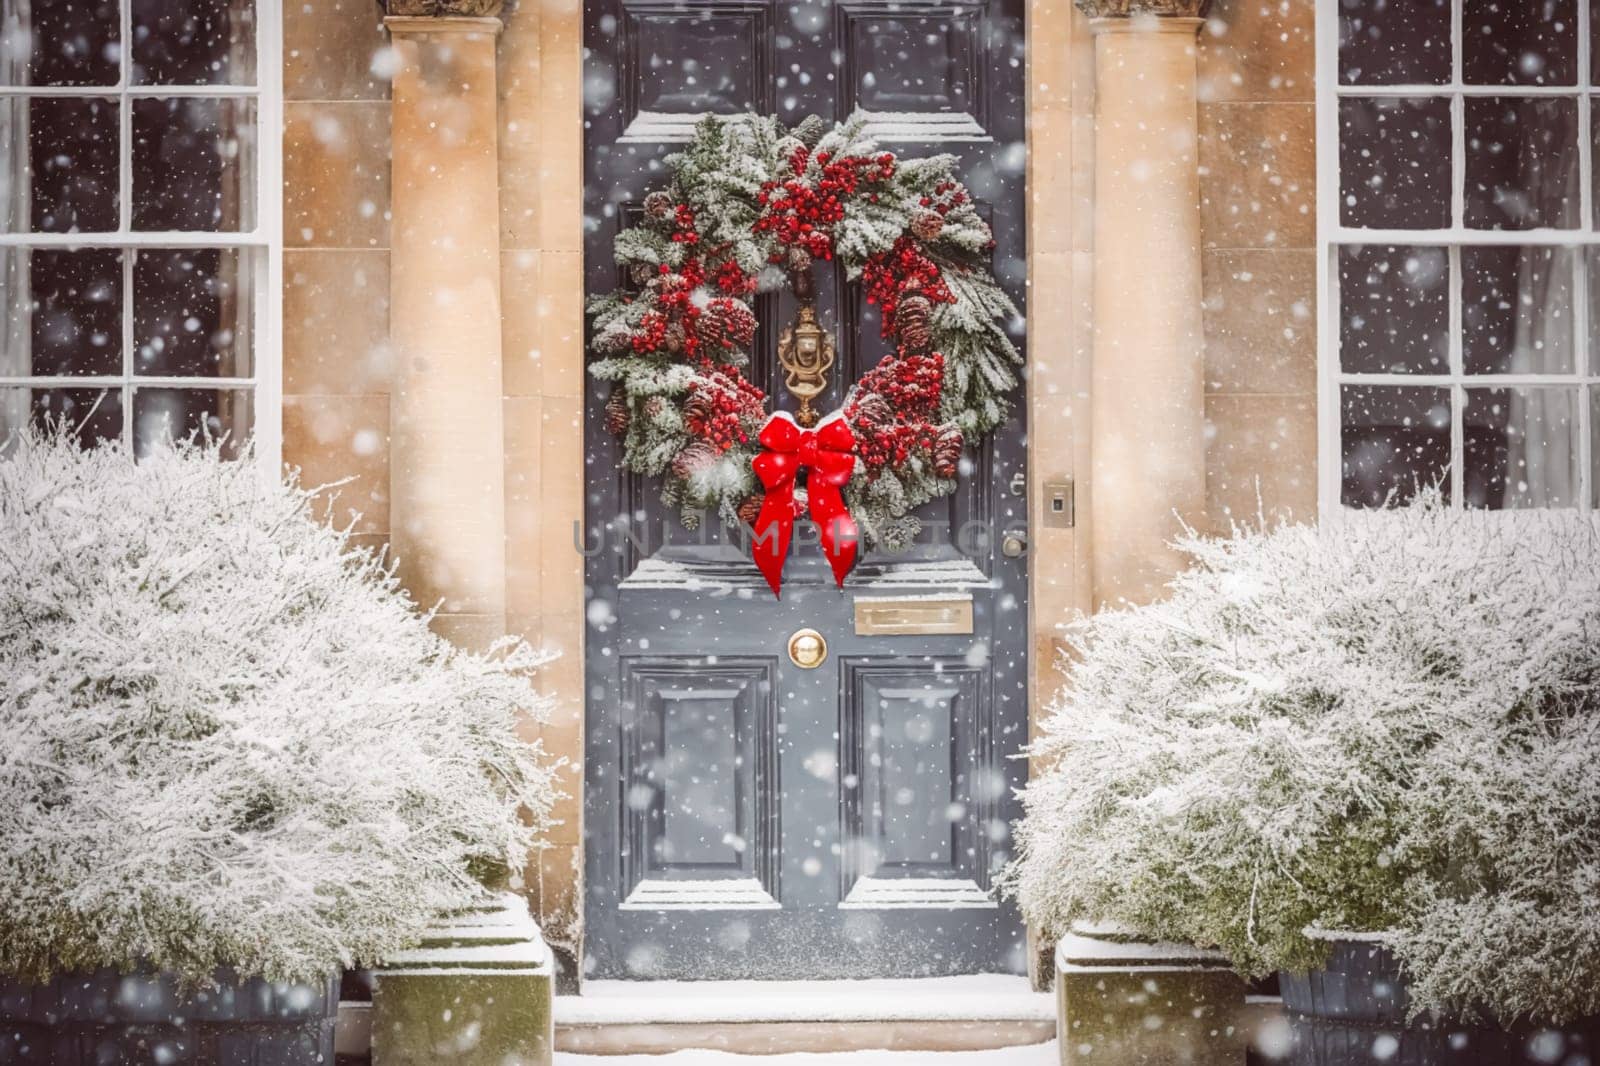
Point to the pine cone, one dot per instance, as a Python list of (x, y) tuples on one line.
[(872, 408), (798, 260), (655, 407), (617, 417), (693, 459), (913, 322), (658, 204), (615, 339), (927, 225), (697, 409), (947, 452), (734, 323), (674, 341), (811, 130), (641, 274), (750, 509)]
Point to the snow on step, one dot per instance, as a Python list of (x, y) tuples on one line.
[(978, 997), (1033, 1055)]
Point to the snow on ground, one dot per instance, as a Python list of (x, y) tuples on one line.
[(1033, 1055)]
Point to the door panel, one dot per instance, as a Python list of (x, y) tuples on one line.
[(699, 762), (745, 817)]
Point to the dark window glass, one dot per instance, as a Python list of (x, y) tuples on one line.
[(1394, 163), (1520, 447), (193, 42), (1519, 42), (193, 164), (1393, 440), (191, 313), (93, 414), (1516, 310), (72, 159), (1522, 163), (60, 42), (1394, 42), (1394, 309), (167, 414), (1594, 447), (71, 325)]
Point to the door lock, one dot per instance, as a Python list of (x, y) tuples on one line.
[(1013, 545), (807, 649)]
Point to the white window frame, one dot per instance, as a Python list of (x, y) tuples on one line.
[(1331, 234), (266, 380)]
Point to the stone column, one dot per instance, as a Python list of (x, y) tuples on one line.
[(1148, 405), (447, 443)]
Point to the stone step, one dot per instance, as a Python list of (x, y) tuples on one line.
[(970, 1013)]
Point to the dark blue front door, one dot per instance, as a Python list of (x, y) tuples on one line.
[(746, 816)]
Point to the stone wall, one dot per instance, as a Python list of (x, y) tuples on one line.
[(336, 358), (1257, 64)]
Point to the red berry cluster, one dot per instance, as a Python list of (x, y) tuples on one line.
[(889, 275), (947, 196), (724, 409), (683, 231), (652, 333), (895, 408), (733, 281), (803, 210)]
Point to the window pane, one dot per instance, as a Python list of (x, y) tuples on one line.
[(1519, 42), (194, 42), (63, 312), (1522, 163), (1394, 163), (193, 164), (168, 414), (192, 311), (1594, 447), (59, 42), (1393, 440), (1516, 310), (1394, 309), (71, 165), (1394, 42), (95, 415), (1593, 256), (1520, 448)]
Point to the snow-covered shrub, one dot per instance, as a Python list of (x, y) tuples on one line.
[(226, 735), (1388, 723)]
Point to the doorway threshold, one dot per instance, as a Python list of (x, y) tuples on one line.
[(967, 1013)]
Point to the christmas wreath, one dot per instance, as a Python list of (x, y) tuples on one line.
[(750, 207)]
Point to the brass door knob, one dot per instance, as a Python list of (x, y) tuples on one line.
[(807, 649)]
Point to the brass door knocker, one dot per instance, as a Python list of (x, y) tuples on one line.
[(804, 348)]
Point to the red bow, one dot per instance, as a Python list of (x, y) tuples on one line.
[(828, 453)]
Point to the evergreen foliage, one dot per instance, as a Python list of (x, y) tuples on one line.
[(227, 738), (702, 239), (1388, 724)]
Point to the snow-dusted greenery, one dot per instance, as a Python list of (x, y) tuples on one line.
[(226, 735), (1388, 723)]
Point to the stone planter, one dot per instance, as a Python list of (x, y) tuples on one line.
[(1127, 1002), (110, 1017), (476, 992), (1354, 1012)]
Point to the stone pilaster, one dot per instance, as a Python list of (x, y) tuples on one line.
[(1148, 406), (447, 440)]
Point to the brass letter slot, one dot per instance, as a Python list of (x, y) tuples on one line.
[(907, 615)]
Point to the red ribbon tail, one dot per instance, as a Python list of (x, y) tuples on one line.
[(840, 536), (773, 528)]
